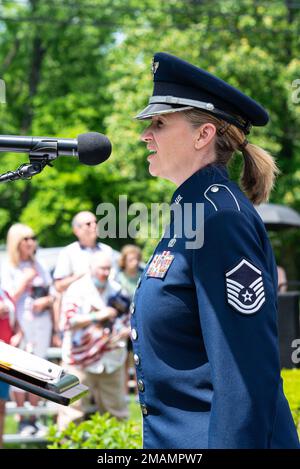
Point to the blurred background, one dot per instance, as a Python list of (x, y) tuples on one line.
[(72, 66)]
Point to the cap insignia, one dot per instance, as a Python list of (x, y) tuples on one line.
[(154, 66)]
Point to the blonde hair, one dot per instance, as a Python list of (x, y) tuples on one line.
[(259, 171), (126, 250), (15, 235)]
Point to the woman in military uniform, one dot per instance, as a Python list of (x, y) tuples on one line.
[(204, 317)]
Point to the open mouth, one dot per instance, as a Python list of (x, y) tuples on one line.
[(151, 154)]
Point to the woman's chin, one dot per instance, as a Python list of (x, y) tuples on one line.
[(152, 170)]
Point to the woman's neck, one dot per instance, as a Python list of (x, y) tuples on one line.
[(131, 273), (195, 165), (25, 258)]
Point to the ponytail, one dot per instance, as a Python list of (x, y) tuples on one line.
[(260, 169), (259, 173)]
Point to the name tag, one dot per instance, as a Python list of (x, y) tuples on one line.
[(160, 265)]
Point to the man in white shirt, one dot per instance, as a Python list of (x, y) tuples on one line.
[(73, 260), (94, 341)]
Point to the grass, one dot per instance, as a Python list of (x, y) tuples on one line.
[(291, 386), (11, 425)]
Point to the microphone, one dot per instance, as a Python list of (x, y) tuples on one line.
[(91, 148)]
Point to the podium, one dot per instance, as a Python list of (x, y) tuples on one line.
[(288, 326), (38, 376)]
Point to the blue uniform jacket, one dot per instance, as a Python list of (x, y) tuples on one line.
[(204, 329)]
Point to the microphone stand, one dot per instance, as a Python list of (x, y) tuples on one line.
[(40, 156), (16, 368)]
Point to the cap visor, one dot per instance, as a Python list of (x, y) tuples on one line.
[(156, 109)]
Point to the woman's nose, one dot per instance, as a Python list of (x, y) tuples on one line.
[(146, 136)]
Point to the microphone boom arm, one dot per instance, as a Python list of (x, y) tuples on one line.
[(40, 156)]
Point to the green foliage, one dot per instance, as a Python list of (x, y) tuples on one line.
[(100, 432), (291, 385)]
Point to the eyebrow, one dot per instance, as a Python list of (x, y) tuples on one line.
[(159, 117)]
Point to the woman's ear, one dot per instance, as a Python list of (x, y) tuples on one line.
[(204, 135)]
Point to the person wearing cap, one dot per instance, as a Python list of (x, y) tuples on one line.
[(204, 315)]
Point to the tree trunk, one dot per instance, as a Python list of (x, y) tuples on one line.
[(38, 52)]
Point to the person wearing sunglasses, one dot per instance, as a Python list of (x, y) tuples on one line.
[(74, 259), (28, 282)]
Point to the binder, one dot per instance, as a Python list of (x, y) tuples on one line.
[(38, 376)]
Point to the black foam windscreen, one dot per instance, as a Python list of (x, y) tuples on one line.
[(93, 148)]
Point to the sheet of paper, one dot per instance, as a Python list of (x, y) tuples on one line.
[(29, 364)]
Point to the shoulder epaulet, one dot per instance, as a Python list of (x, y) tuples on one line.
[(221, 197)]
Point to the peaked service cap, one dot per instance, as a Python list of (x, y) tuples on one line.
[(179, 85)]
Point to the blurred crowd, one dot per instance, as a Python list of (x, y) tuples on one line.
[(82, 307)]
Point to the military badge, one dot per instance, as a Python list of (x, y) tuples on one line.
[(154, 66), (172, 241), (245, 288), (160, 265)]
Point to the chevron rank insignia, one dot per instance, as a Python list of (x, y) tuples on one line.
[(245, 288)]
